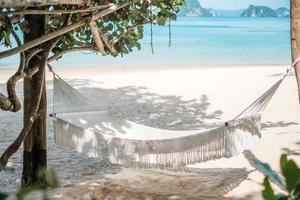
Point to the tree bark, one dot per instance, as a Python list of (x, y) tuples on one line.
[(35, 144), (97, 37), (22, 3), (59, 12), (295, 37)]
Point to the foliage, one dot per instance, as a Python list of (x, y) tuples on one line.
[(48, 180), (130, 19), (291, 174)]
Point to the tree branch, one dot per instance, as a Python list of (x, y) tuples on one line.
[(32, 70), (32, 117), (31, 3), (107, 43), (59, 12), (54, 57), (125, 32), (32, 54), (70, 50), (97, 37), (12, 102), (62, 31)]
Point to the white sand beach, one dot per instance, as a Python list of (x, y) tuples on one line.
[(178, 99)]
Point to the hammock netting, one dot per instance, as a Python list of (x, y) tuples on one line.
[(85, 126)]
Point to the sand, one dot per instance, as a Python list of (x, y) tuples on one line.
[(172, 98)]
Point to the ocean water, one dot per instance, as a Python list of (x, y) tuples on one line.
[(199, 41)]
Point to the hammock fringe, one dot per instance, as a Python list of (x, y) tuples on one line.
[(224, 141)]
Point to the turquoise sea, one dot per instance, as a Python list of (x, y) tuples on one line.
[(199, 41)]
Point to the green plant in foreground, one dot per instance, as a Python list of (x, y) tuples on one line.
[(48, 180), (291, 174)]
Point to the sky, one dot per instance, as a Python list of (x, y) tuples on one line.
[(242, 4)]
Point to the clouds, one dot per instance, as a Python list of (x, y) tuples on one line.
[(241, 4)]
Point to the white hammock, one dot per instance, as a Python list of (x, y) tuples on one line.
[(80, 124)]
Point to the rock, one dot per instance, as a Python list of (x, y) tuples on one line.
[(259, 11), (282, 12), (193, 8)]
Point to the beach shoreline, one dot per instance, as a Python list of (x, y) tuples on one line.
[(5, 73)]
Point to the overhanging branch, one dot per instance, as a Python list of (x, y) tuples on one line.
[(97, 37), (107, 43), (12, 102), (70, 50), (60, 12), (61, 31), (31, 3)]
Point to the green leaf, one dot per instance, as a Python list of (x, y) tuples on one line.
[(268, 192), (291, 172), (140, 28), (296, 192), (115, 34), (138, 45), (6, 38), (109, 27), (173, 17), (283, 161)]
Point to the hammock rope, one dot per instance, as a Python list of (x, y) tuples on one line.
[(83, 125), (170, 34), (151, 29)]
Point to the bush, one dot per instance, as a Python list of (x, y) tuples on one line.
[(48, 179), (291, 173)]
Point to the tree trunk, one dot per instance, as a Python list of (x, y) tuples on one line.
[(295, 36), (35, 144)]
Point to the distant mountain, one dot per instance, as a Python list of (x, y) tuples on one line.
[(194, 8), (282, 12), (229, 13), (259, 11)]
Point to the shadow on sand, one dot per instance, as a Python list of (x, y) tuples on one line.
[(168, 112), (277, 124), (159, 185), (139, 105), (295, 151)]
